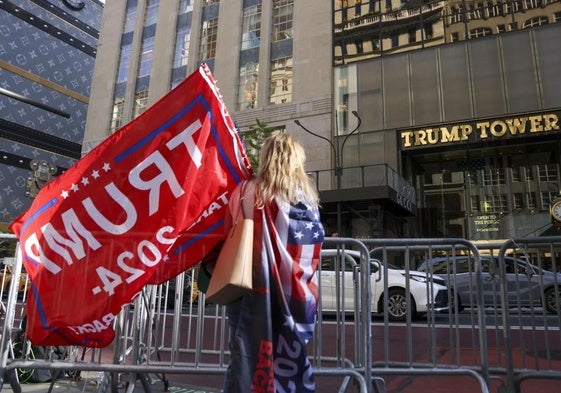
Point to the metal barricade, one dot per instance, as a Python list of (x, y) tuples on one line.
[(429, 336), (392, 312), (530, 298), (169, 330)]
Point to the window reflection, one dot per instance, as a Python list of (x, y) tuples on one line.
[(485, 193)]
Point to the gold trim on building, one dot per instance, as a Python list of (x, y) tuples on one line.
[(44, 82)]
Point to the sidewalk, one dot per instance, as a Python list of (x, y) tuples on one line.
[(90, 384)]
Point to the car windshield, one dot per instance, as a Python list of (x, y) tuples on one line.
[(374, 263), (466, 264)]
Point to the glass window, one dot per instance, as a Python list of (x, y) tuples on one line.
[(444, 267), (463, 265), (500, 203), (412, 35), (487, 204), (494, 204), (282, 19), (474, 178), (515, 174), (546, 198), (529, 4), (280, 87), (182, 41), (124, 63), (486, 265), (358, 47), (209, 32), (117, 115), (345, 98), (494, 9), (330, 263), (512, 6), (151, 16), (341, 4), (183, 37), (547, 173), (140, 102), (475, 203), (428, 31), (493, 177), (130, 16), (480, 32), (518, 201), (247, 88), (251, 27), (456, 14), (358, 7), (510, 266), (146, 57), (185, 6), (537, 21)]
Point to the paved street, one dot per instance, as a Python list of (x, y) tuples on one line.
[(90, 384), (432, 383)]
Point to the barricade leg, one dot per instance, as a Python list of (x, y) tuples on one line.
[(12, 378)]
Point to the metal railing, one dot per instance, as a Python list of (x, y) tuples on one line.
[(363, 176), (491, 333)]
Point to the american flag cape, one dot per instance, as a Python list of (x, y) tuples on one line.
[(277, 319), (144, 205)]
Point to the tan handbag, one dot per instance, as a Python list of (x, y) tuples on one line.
[(232, 274)]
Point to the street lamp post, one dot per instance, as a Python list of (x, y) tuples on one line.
[(338, 154)]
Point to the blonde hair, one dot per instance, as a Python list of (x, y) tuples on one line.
[(281, 172)]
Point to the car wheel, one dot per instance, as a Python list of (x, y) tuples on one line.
[(397, 305), (552, 302)]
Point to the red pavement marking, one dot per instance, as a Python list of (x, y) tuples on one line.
[(467, 384)]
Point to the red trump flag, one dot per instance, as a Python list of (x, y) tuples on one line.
[(141, 207)]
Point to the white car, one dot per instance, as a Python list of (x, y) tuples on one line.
[(426, 293)]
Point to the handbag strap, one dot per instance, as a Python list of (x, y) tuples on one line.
[(244, 203), (247, 198)]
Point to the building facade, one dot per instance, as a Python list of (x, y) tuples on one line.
[(269, 62), (47, 55), (419, 119), (272, 61), (467, 94)]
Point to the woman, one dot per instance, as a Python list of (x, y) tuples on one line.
[(269, 327)]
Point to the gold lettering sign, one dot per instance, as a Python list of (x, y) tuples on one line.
[(484, 130)]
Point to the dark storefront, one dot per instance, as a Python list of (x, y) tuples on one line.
[(485, 180)]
